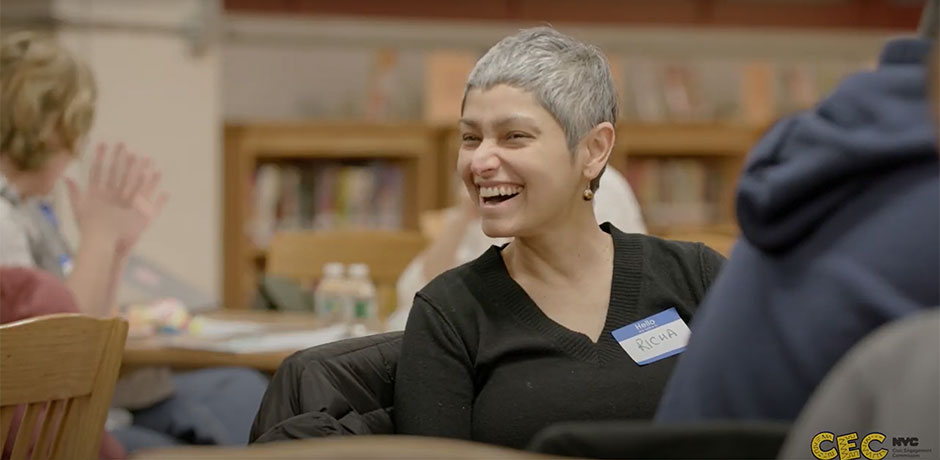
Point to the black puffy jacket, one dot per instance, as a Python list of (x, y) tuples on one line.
[(345, 387)]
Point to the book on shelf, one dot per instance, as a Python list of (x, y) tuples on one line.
[(758, 92), (797, 88), (642, 95), (445, 77), (325, 195), (381, 84), (661, 90), (682, 93), (676, 192), (265, 195)]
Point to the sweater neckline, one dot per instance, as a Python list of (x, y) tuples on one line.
[(621, 308)]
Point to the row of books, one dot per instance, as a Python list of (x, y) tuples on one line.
[(658, 90), (673, 90), (393, 84), (676, 192), (325, 195), (399, 85)]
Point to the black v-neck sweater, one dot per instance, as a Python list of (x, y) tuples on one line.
[(481, 361)]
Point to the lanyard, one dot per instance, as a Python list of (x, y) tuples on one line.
[(49, 214)]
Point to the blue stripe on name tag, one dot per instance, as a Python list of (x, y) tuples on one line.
[(643, 325)]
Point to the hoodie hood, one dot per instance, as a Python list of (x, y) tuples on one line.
[(809, 164)]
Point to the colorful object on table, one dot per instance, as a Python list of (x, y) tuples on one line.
[(166, 316)]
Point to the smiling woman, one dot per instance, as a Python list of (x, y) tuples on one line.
[(527, 334), (513, 149)]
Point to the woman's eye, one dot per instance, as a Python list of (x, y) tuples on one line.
[(469, 138), (517, 136)]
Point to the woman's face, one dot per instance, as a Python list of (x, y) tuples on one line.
[(515, 162)]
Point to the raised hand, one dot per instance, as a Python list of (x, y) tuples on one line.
[(122, 198)]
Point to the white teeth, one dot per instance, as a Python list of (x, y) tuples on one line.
[(502, 190)]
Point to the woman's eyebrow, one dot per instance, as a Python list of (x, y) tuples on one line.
[(502, 122), (515, 119), (469, 123)]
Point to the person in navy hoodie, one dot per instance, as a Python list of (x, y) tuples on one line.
[(839, 209)]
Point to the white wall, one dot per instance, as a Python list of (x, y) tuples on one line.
[(162, 100)]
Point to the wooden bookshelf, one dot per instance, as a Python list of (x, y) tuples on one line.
[(428, 155), (698, 139), (412, 147), (723, 146)]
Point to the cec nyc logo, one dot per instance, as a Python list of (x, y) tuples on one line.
[(845, 447), (827, 446)]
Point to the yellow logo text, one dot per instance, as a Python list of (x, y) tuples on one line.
[(827, 446)]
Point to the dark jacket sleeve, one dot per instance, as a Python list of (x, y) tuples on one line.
[(434, 385), (345, 387)]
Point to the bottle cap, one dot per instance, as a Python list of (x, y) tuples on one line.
[(333, 269), (359, 271)]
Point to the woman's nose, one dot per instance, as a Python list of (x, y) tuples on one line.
[(485, 160)]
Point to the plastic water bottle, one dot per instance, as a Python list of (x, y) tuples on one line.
[(330, 299), (363, 314)]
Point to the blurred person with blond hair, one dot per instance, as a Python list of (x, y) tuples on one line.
[(48, 102), (48, 105)]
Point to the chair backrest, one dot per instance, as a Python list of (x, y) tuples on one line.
[(59, 371), (300, 255)]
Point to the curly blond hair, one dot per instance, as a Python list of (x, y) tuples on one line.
[(48, 99)]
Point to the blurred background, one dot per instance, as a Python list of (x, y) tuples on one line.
[(283, 115)]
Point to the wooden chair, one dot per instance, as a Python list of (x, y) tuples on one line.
[(301, 255), (62, 370)]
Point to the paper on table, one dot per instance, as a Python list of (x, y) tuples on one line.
[(270, 341), (210, 328)]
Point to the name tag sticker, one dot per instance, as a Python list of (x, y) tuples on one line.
[(654, 338)]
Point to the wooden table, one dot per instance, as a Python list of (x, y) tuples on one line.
[(348, 447), (153, 351)]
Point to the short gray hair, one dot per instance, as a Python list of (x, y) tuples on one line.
[(569, 78)]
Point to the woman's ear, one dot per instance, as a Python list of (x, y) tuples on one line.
[(598, 143)]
